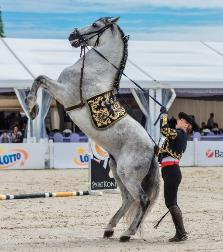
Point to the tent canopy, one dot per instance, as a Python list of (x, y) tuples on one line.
[(174, 64)]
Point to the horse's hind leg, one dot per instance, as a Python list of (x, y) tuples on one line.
[(126, 203), (142, 201)]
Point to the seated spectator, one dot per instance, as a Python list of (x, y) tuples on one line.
[(16, 135), (47, 131), (203, 126), (206, 132), (67, 132), (55, 131), (215, 129), (5, 137)]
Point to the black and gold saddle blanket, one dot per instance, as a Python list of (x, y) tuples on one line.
[(105, 109)]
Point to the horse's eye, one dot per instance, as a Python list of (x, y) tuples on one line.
[(94, 25)]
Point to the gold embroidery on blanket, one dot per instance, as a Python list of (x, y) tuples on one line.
[(105, 109)]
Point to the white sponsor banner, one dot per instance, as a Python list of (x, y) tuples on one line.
[(70, 155), (23, 156), (188, 158), (209, 153)]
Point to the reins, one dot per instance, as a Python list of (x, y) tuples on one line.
[(136, 84), (99, 33), (82, 103)]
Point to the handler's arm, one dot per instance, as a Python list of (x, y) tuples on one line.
[(165, 129)]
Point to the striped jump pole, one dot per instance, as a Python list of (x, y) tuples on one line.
[(47, 195)]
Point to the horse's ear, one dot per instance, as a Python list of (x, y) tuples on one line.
[(114, 20)]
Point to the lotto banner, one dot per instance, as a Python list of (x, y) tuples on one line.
[(23, 156), (101, 177), (70, 155)]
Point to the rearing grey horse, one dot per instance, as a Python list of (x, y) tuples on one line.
[(132, 154)]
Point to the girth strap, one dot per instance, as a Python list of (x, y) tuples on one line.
[(80, 105)]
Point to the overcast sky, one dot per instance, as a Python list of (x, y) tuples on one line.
[(141, 19)]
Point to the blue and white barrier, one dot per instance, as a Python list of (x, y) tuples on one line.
[(77, 155)]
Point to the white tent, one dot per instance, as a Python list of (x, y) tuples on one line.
[(171, 64), (174, 64)]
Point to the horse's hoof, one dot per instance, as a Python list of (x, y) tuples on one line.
[(34, 112), (124, 238), (40, 79), (108, 233)]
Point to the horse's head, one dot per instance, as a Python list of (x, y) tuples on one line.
[(90, 35)]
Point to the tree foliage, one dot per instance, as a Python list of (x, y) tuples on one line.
[(1, 25)]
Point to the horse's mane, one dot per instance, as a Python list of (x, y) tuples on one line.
[(125, 39), (123, 60)]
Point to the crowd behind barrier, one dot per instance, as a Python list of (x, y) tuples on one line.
[(208, 131), (16, 136)]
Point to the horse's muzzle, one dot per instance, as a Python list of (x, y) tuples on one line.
[(74, 38)]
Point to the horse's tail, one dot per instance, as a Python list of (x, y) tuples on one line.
[(151, 182), (151, 186)]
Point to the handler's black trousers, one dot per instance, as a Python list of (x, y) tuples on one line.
[(172, 177)]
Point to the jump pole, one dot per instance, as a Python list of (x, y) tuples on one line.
[(47, 195)]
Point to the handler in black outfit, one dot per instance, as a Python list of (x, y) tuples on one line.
[(169, 155)]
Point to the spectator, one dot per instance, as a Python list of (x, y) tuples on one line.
[(203, 126), (67, 132), (2, 120), (206, 131), (210, 122), (47, 131), (16, 135), (55, 131), (215, 129), (5, 137)]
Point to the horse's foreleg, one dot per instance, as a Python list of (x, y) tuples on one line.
[(51, 86), (126, 202), (32, 106)]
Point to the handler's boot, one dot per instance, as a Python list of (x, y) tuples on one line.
[(181, 234)]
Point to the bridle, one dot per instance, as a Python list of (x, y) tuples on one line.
[(94, 33), (85, 44)]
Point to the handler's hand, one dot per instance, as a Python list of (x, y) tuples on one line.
[(163, 110)]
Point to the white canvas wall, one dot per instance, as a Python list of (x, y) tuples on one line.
[(201, 109)]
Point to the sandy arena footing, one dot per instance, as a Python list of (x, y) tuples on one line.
[(77, 223)]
